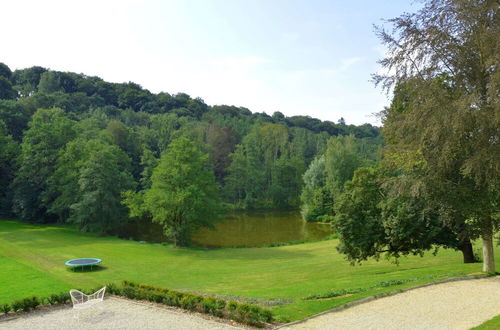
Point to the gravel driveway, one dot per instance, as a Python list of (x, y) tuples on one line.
[(115, 313), (453, 305)]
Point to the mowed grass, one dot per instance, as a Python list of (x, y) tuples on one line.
[(493, 324), (32, 263)]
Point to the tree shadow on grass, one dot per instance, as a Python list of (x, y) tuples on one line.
[(86, 269)]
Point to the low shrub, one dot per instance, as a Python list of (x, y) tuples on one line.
[(335, 293), (25, 304), (190, 302), (393, 282), (34, 302), (17, 305), (53, 299), (5, 308), (63, 298), (220, 306), (209, 306), (244, 313), (129, 292), (156, 297)]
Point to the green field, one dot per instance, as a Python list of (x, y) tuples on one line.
[(32, 263)]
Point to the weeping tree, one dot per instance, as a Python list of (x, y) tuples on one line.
[(446, 56)]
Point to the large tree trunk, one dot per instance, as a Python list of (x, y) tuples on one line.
[(488, 258), (467, 252)]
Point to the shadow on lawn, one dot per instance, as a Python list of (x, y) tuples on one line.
[(86, 269)]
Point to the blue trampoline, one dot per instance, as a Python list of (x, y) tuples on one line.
[(82, 262)]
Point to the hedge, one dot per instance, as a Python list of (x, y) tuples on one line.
[(240, 312)]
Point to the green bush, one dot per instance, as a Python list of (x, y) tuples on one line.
[(208, 305), (232, 305), (220, 307), (267, 315), (35, 302), (156, 297), (63, 298), (112, 288), (53, 299), (129, 292), (5, 308), (169, 299), (244, 313), (189, 302), (26, 304), (17, 305)]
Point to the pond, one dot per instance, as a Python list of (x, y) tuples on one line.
[(241, 228)]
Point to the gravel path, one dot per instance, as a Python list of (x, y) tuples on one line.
[(114, 313), (453, 305)]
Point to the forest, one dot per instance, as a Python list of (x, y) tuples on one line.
[(79, 150)]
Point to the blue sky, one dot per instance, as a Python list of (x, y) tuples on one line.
[(295, 56)]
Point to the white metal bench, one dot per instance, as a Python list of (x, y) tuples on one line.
[(82, 301)]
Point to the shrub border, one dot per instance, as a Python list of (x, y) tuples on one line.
[(240, 312), (243, 313)]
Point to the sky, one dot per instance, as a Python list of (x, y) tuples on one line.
[(299, 57)]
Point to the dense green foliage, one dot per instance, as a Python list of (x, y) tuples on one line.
[(240, 312), (71, 145), (371, 221), (325, 178), (183, 195), (438, 184), (279, 277)]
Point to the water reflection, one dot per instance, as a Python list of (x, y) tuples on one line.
[(240, 228), (260, 228)]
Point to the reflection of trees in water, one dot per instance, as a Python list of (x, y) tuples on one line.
[(245, 228)]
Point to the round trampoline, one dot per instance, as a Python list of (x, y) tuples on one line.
[(82, 262)]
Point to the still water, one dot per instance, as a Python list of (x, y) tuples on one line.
[(242, 228)]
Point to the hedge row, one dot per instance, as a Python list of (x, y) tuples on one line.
[(28, 304), (240, 312)]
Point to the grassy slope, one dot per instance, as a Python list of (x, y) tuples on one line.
[(35, 257)]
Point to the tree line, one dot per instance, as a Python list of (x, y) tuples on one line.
[(80, 150)]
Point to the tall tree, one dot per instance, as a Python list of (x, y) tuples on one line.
[(183, 194), (316, 200), (49, 131), (222, 142), (452, 46), (103, 177), (342, 158), (9, 151), (6, 90), (15, 117), (371, 221)]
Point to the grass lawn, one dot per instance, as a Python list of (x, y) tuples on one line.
[(493, 324), (32, 262)]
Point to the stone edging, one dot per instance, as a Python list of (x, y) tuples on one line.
[(381, 295)]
